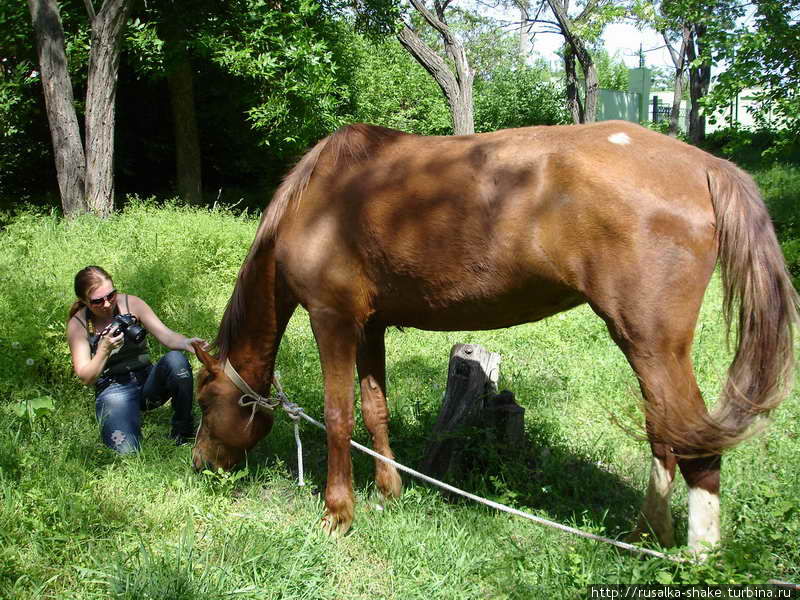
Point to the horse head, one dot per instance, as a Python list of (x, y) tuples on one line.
[(227, 430)]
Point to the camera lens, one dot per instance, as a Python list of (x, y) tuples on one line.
[(135, 333)]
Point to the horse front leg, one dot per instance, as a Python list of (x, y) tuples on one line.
[(371, 363), (337, 339)]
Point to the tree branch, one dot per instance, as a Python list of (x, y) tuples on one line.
[(433, 20), (90, 9), (432, 62)]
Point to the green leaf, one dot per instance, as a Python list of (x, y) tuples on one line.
[(42, 405), (664, 577)]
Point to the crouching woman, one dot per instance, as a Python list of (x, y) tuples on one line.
[(106, 331)]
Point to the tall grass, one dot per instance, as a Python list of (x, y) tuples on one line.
[(77, 521)]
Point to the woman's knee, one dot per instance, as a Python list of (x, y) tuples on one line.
[(118, 415), (124, 441), (178, 363)]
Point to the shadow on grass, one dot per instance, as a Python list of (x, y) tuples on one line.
[(542, 475)]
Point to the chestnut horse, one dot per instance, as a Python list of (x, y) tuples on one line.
[(375, 227)]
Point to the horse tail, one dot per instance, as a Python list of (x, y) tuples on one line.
[(755, 281)]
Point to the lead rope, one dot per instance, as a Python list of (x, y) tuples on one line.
[(296, 412)]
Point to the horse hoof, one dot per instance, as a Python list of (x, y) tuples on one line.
[(642, 536), (334, 526), (391, 487)]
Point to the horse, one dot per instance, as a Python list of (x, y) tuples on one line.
[(376, 228)]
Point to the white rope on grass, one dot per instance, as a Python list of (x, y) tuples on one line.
[(296, 412)]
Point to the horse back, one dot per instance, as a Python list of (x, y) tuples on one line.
[(442, 232)]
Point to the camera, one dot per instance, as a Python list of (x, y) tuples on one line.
[(129, 325)]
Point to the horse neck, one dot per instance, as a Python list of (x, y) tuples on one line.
[(252, 352)]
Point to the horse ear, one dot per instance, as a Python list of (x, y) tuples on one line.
[(208, 361)]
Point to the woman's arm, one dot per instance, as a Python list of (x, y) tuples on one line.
[(86, 366), (167, 337)]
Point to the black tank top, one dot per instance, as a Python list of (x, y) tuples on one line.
[(130, 356)]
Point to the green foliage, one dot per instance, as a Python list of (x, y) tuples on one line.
[(517, 96), (753, 149), (611, 70), (224, 482), (19, 106), (291, 57), (762, 55), (391, 89)]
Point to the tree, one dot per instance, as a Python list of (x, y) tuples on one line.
[(678, 57), (575, 48), (763, 54), (85, 177), (455, 81), (392, 89), (678, 35), (612, 73), (699, 26), (579, 31), (175, 32)]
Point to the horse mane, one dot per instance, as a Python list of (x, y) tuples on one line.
[(346, 146)]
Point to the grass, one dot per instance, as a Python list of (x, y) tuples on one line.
[(77, 521)]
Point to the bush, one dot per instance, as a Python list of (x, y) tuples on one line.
[(780, 186), (753, 148), (518, 97)]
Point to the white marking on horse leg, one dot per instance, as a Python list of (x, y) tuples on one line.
[(619, 138), (703, 520), (656, 512)]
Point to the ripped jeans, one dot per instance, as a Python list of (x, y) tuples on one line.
[(121, 399)]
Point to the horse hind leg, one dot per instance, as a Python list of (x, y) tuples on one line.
[(655, 514), (371, 364), (671, 392)]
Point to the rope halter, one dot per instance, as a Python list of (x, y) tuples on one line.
[(255, 401)]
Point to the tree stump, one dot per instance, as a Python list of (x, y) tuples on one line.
[(471, 403)]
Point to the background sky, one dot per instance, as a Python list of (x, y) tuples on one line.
[(623, 38), (619, 38)]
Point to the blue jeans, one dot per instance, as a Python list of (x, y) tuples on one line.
[(121, 399)]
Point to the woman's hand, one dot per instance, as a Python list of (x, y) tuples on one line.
[(190, 348), (110, 341)]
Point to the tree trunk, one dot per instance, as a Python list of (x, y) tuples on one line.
[(699, 81), (472, 406), (679, 60), (523, 28), (187, 138), (59, 102), (592, 86), (106, 39), (573, 93), (578, 49), (456, 86)]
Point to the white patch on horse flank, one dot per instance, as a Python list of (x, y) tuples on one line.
[(619, 138), (703, 519)]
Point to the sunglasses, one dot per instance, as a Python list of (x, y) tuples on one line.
[(99, 301)]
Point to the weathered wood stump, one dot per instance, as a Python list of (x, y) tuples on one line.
[(471, 403)]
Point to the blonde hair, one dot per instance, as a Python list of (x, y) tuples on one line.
[(86, 280)]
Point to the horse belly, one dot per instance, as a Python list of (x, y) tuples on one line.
[(464, 307)]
